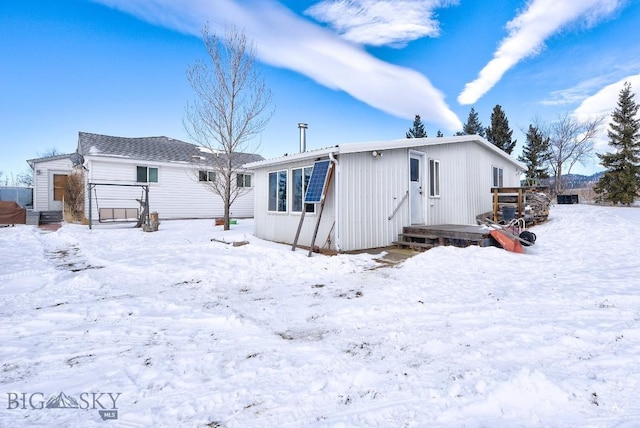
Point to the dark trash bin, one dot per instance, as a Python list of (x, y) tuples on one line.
[(567, 199), (508, 213)]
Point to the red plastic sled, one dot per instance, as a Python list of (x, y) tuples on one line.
[(509, 243)]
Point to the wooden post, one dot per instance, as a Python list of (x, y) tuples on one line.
[(327, 181), (520, 213), (495, 204), (315, 232), (324, 198), (295, 241)]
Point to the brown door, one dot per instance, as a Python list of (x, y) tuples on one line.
[(59, 183)]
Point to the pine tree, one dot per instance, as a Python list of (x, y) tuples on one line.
[(620, 183), (473, 125), (536, 154), (418, 129), (499, 132), (439, 134)]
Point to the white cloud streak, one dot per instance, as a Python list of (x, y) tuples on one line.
[(577, 93), (380, 22), (527, 34), (602, 103), (285, 40)]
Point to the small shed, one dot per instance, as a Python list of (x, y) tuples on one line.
[(377, 188), (49, 180)]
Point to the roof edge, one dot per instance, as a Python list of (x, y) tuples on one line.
[(33, 161), (403, 143), (292, 158)]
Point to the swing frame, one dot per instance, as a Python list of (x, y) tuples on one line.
[(144, 215)]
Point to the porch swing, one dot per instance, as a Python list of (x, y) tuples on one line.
[(117, 210)]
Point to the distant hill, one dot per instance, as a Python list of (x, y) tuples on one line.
[(576, 181)]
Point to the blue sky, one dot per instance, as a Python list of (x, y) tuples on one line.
[(354, 70)]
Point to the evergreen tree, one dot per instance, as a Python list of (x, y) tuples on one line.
[(473, 125), (536, 154), (418, 129), (439, 134), (499, 132), (620, 183)]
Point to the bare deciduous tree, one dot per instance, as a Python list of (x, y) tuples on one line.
[(74, 195), (571, 141), (25, 177), (50, 152), (231, 107)]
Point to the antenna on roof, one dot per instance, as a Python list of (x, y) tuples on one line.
[(77, 159)]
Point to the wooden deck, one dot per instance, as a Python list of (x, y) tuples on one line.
[(425, 237)]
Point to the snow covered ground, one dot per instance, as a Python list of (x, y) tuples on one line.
[(173, 329)]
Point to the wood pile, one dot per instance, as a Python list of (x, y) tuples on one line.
[(530, 202), (539, 204)]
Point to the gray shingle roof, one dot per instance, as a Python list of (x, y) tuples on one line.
[(158, 149), (33, 161)]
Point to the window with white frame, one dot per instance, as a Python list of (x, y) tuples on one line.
[(434, 178), (146, 174), (498, 177), (299, 182), (206, 176), (243, 180), (278, 191)]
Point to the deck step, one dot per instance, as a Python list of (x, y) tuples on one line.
[(413, 245), (425, 237), (417, 235), (49, 217)]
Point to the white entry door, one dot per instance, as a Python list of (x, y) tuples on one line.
[(416, 194)]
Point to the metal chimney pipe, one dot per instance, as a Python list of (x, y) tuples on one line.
[(303, 136)]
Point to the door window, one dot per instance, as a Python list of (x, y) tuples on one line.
[(59, 184), (415, 169)]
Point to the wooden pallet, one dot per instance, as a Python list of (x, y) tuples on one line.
[(422, 238)]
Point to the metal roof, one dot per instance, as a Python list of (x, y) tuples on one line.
[(310, 154), (385, 145)]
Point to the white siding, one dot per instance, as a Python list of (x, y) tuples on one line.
[(370, 190), (465, 182), (282, 226), (41, 180), (459, 185), (177, 194)]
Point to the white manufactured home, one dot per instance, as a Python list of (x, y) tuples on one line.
[(117, 169), (377, 188)]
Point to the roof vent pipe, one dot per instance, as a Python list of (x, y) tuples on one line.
[(303, 136)]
